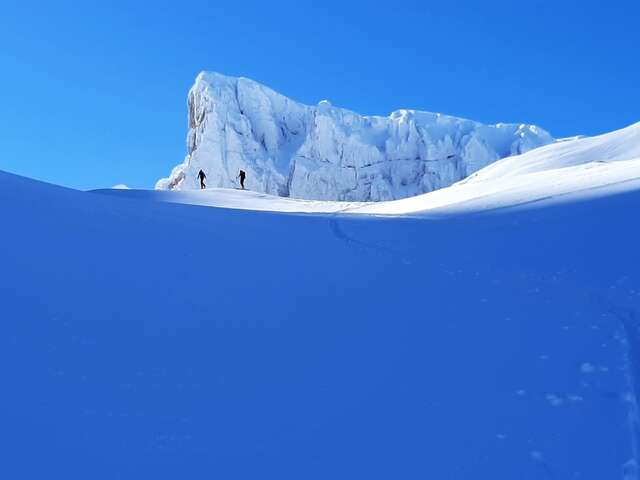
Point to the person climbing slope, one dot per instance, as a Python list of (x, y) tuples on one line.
[(242, 176), (202, 176)]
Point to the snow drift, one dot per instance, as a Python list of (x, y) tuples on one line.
[(328, 153), (574, 169)]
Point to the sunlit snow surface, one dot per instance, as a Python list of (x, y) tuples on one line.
[(328, 153), (573, 169), (141, 338)]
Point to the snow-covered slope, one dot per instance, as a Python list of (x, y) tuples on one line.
[(328, 153), (579, 168), (238, 199), (144, 339), (617, 146), (566, 170)]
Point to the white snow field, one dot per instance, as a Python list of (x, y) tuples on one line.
[(571, 169), (576, 168), (327, 153), (141, 338)]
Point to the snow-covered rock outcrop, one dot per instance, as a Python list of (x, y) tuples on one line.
[(617, 146), (328, 153)]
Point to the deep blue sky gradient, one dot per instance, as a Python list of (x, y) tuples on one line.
[(95, 95)]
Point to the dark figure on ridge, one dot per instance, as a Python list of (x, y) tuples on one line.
[(202, 176), (242, 176)]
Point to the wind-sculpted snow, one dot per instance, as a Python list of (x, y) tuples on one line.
[(328, 153), (617, 146), (567, 170)]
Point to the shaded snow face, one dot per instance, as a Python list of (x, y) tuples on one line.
[(146, 340), (327, 153)]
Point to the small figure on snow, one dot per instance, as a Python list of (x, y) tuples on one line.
[(202, 176), (242, 176)]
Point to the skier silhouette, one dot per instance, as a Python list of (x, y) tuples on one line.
[(202, 176), (242, 176)]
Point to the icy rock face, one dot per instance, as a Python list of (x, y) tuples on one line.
[(327, 153)]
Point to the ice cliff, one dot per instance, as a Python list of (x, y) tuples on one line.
[(329, 153)]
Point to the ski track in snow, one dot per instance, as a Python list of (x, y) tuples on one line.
[(409, 315), (630, 323), (339, 233)]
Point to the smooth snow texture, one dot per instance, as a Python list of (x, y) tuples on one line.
[(620, 145), (239, 199), (143, 339), (327, 153), (590, 166)]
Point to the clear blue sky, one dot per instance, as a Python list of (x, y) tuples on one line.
[(95, 95)]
